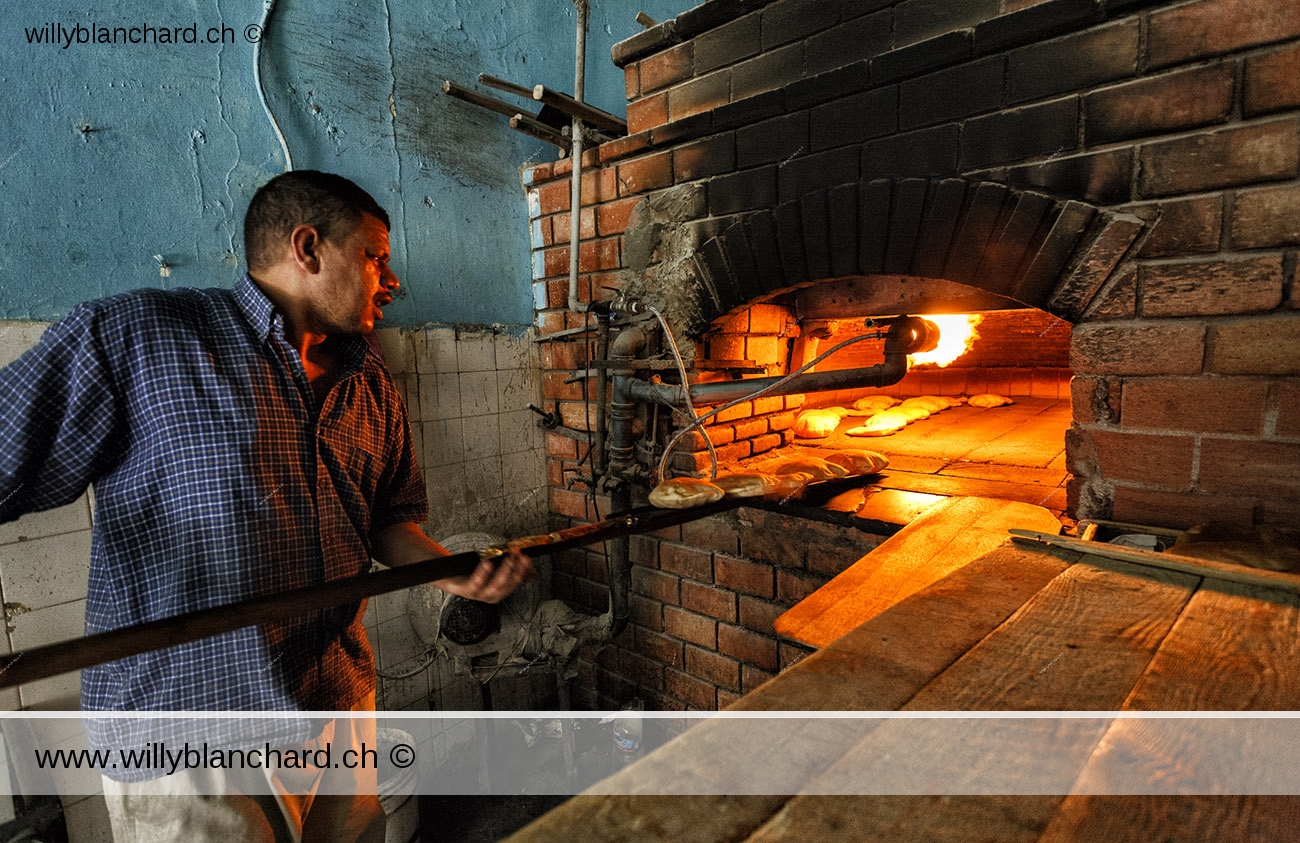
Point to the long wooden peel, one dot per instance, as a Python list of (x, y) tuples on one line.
[(1209, 568), (64, 656)]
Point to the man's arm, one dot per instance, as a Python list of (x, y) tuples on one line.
[(491, 582)]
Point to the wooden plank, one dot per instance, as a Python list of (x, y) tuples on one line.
[(1079, 643), (1234, 648), (882, 663), (878, 666), (649, 819), (1210, 568), (948, 536), (1240, 819)]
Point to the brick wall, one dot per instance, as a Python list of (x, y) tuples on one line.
[(1179, 119)]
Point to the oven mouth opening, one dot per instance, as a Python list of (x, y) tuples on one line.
[(1015, 451)]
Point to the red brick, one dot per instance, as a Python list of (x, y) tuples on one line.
[(1150, 459), (793, 586), (751, 678), (1185, 227), (703, 158), (597, 255), (746, 646), (1138, 348), (1268, 345), (1267, 217), (645, 612), (586, 226), (1214, 27), (569, 503), (553, 197), (1178, 510), (632, 80), (744, 576), (785, 545), (659, 647), (555, 262), (656, 584), (743, 410), (613, 217), (1270, 82), (1288, 409), (1250, 467), (1199, 405), (578, 415), (762, 444), (691, 691), (558, 445), (714, 533), (714, 668), (792, 654), (691, 627), (647, 112), (1280, 511), (623, 147), (751, 428), (666, 68), (686, 561), (599, 185), (1222, 158), (717, 603), (759, 615), (1169, 102), (830, 559), (645, 173), (1211, 287)]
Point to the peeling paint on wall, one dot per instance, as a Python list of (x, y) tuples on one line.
[(156, 149)]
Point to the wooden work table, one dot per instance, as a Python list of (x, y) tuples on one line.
[(1020, 628)]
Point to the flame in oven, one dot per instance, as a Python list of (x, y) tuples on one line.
[(956, 334)]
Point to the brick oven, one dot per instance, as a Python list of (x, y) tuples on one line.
[(1114, 185)]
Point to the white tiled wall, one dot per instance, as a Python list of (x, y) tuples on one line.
[(484, 463)]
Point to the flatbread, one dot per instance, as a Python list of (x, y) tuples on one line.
[(747, 484), (818, 468), (816, 424), (859, 462), (875, 403), (988, 400), (881, 424), (684, 493)]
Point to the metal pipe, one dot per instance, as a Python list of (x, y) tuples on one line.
[(602, 386), (575, 187), (626, 347)]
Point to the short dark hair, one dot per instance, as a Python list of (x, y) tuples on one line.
[(330, 203)]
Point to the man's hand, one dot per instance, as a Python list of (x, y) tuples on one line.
[(491, 582)]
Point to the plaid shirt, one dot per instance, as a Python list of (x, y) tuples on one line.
[(217, 478)]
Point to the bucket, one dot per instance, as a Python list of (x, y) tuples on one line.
[(396, 789)]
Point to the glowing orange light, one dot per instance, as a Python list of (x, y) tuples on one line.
[(956, 333)]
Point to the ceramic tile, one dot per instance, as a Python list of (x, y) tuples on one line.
[(65, 519), (45, 572)]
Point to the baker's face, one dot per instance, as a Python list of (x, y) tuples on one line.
[(355, 281)]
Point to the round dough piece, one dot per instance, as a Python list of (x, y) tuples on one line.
[(988, 400), (875, 403), (684, 493), (881, 424), (816, 424), (913, 412), (791, 485)]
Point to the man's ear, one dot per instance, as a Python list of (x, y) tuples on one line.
[(305, 241)]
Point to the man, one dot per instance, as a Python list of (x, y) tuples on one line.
[(241, 442)]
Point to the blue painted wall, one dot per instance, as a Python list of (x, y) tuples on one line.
[(112, 154)]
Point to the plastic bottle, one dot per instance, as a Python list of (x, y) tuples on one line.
[(627, 733)]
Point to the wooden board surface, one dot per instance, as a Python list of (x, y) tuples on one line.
[(951, 534), (1235, 647), (1078, 643)]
